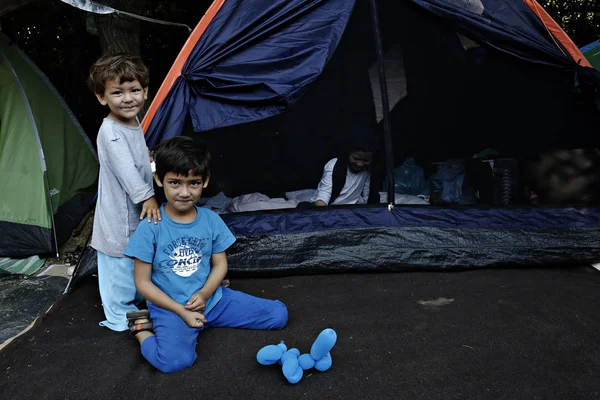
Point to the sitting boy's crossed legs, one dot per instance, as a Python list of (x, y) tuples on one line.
[(173, 347)]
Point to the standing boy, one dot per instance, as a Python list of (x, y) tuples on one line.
[(125, 191)]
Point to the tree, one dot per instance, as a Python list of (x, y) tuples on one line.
[(119, 33), (579, 18), (11, 5)]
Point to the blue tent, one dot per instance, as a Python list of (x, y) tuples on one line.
[(592, 53), (275, 88)]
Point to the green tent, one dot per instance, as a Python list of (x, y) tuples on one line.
[(48, 167), (592, 53)]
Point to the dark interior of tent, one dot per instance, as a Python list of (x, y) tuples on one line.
[(457, 102)]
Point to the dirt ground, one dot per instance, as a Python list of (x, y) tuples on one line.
[(80, 238)]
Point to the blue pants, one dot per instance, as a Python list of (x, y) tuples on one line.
[(174, 346), (117, 290)]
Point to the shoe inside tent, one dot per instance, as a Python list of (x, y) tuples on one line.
[(48, 167), (277, 90)]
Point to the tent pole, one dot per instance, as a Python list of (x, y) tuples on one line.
[(387, 127), (47, 185)]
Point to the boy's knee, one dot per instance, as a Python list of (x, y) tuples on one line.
[(170, 363), (280, 316), (167, 360)]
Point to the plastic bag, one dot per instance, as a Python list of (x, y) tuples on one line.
[(448, 182), (409, 178)]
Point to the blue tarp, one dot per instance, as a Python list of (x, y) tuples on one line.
[(253, 61), (256, 57), (317, 220), (411, 239)]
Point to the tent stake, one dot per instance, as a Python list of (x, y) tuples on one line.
[(387, 127)]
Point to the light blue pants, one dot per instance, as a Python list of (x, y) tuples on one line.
[(117, 290), (174, 346)]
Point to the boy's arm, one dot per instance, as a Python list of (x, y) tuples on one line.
[(143, 282), (366, 190), (323, 194), (218, 270), (122, 165)]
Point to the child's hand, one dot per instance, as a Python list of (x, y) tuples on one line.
[(193, 319), (151, 209), (196, 303)]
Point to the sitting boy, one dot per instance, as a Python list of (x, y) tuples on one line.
[(345, 180), (180, 264), (352, 178)]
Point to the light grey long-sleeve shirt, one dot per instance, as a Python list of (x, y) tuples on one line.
[(125, 182)]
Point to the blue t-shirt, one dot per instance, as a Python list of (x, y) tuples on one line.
[(180, 253)]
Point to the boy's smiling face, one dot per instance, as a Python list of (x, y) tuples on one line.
[(359, 160), (182, 193), (125, 100)]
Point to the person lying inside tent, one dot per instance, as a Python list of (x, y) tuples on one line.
[(348, 179)]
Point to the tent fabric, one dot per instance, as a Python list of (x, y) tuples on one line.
[(71, 161), (47, 162), (592, 53), (559, 34), (255, 58), (175, 70), (511, 27), (455, 103), (24, 240), (522, 29), (20, 159), (253, 61), (467, 92)]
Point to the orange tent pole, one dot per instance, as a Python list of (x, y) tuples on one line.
[(175, 70), (558, 33)]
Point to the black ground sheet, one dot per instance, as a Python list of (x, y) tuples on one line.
[(485, 334), (24, 298)]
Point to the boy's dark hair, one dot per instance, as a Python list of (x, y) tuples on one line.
[(180, 155), (123, 66)]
